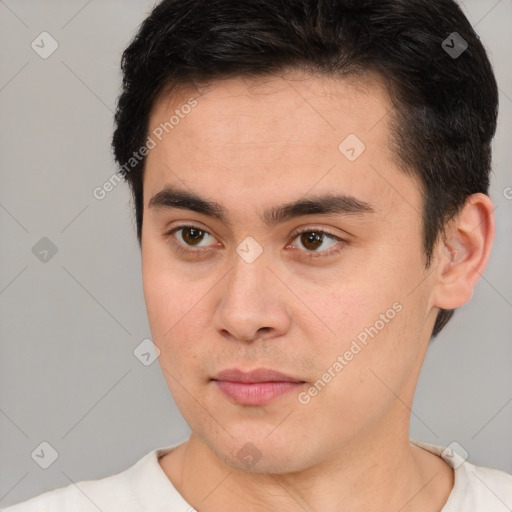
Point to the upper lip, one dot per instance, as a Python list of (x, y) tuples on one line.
[(252, 376)]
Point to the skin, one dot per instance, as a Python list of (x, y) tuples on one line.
[(251, 144)]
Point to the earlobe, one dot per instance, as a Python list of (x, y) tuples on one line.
[(463, 252)]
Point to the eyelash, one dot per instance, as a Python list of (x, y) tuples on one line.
[(307, 254)]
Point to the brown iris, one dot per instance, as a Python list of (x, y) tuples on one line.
[(195, 235), (311, 239)]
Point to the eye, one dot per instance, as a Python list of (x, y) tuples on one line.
[(191, 236), (313, 239)]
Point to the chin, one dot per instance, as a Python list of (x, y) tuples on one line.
[(261, 453)]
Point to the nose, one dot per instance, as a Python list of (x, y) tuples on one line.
[(253, 302)]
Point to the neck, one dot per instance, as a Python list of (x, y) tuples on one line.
[(381, 472)]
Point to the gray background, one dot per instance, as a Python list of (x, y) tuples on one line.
[(69, 325)]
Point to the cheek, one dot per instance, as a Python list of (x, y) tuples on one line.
[(343, 303), (173, 305), (161, 303), (179, 315), (370, 319), (172, 312), (166, 294)]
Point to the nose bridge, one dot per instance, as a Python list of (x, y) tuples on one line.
[(246, 279), (250, 299)]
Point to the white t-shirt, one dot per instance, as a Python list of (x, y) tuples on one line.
[(145, 487)]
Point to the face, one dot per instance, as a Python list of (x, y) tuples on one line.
[(333, 292)]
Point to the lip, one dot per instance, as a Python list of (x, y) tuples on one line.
[(255, 387), (254, 376)]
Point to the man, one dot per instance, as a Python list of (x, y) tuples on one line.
[(310, 182)]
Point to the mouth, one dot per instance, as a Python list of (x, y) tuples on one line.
[(256, 387)]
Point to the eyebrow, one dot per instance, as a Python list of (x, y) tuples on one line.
[(324, 204)]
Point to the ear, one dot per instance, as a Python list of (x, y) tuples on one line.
[(463, 252)]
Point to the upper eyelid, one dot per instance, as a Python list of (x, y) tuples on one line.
[(306, 229)]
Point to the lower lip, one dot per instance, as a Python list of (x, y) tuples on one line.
[(256, 393)]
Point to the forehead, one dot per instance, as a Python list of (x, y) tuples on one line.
[(277, 136), (293, 107)]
